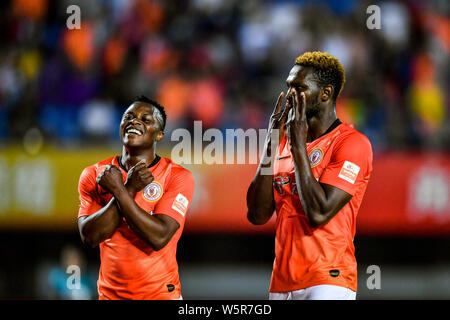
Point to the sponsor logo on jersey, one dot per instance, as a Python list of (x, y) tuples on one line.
[(334, 273), (180, 204), (170, 287), (153, 191), (349, 172)]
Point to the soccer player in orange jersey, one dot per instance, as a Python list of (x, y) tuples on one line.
[(134, 207), (321, 169)]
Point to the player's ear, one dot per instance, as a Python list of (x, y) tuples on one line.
[(159, 135), (327, 93)]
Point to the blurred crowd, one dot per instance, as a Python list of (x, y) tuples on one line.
[(220, 61)]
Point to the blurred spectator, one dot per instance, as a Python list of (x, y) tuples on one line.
[(211, 59), (32, 9), (69, 279), (207, 101), (427, 99), (173, 94), (78, 45), (114, 55), (99, 120)]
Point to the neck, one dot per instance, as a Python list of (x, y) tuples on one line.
[(132, 156), (319, 124)]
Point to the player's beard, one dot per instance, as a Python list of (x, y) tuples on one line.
[(313, 109)]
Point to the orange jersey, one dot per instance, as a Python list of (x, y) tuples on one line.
[(307, 256), (130, 268)]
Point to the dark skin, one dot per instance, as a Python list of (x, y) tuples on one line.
[(137, 153), (308, 113)]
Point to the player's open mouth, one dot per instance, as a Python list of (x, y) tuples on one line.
[(133, 131)]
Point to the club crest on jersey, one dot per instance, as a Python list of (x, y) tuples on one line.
[(153, 191), (315, 157)]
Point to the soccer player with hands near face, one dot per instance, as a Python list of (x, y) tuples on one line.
[(320, 171)]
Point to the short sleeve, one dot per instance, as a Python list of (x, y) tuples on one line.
[(87, 193), (177, 198), (350, 164)]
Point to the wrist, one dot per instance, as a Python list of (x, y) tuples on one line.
[(297, 143), (117, 190), (268, 155), (299, 152), (131, 191)]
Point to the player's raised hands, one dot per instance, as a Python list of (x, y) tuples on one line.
[(138, 177), (297, 124), (278, 113), (110, 179), (279, 116)]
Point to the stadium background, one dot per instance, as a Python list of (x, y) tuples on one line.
[(62, 93)]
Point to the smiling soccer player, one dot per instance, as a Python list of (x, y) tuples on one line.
[(321, 169), (134, 206)]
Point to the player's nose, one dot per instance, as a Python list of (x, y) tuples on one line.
[(135, 122)]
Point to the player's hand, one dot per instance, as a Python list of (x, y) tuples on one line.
[(138, 177), (110, 179), (278, 117), (279, 114), (297, 124)]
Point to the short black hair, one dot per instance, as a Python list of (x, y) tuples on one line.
[(155, 104)]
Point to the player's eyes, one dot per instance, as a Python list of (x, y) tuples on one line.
[(296, 86)]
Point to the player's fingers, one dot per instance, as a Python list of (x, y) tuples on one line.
[(303, 105), (105, 171), (140, 165), (288, 105), (112, 168), (288, 132), (100, 176), (291, 116), (147, 178), (285, 113), (279, 103), (297, 105), (146, 175)]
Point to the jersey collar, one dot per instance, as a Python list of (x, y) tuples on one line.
[(331, 128), (154, 162)]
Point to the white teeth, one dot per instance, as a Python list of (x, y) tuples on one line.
[(134, 131)]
